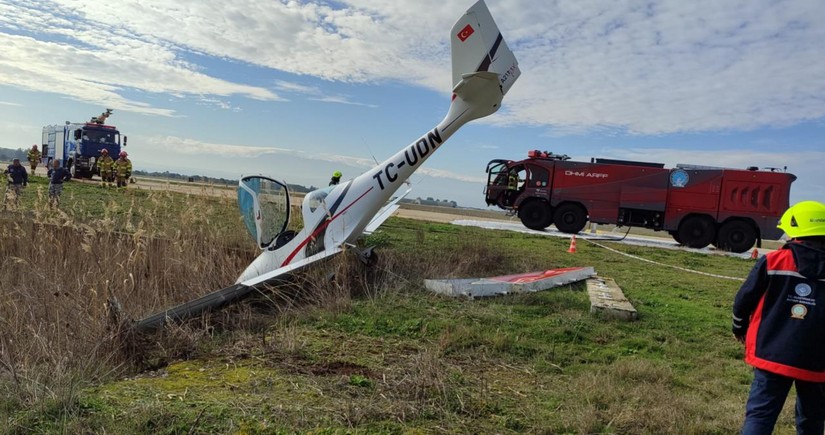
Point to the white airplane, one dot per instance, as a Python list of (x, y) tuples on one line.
[(483, 70)]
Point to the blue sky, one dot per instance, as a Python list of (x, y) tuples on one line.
[(296, 90)]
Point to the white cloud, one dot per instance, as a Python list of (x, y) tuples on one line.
[(341, 99), (316, 94), (9, 103), (668, 67), (646, 68), (192, 147)]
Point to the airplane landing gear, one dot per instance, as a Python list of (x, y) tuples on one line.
[(368, 256)]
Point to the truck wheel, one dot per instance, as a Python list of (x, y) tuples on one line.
[(535, 215), (570, 218), (675, 235), (697, 231), (736, 236)]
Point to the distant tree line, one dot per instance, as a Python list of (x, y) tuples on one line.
[(210, 180), (9, 154)]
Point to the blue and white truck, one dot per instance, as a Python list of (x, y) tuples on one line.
[(78, 145)]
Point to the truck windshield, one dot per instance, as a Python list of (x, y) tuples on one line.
[(497, 173), (101, 136)]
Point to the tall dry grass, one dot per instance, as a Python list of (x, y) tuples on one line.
[(63, 275), (73, 279)]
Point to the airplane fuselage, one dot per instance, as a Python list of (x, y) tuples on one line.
[(484, 69)]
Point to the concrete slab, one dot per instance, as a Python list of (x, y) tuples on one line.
[(506, 284), (606, 297)]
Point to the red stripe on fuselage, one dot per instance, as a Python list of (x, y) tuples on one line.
[(321, 228)]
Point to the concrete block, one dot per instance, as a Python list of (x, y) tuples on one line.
[(606, 297)]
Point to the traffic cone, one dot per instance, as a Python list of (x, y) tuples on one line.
[(754, 254), (572, 248)]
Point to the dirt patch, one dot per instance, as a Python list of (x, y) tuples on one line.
[(338, 368)]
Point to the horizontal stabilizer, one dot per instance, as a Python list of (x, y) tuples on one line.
[(385, 213)]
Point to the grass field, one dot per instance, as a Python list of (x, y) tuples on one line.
[(369, 351)]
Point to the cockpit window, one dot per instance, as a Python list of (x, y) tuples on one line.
[(316, 198), (264, 207)]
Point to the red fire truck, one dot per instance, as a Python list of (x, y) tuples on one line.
[(697, 205)]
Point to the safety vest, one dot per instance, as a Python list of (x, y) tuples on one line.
[(512, 182), (123, 168), (105, 164), (33, 156)]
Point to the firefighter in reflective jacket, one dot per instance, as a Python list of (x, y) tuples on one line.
[(512, 181), (34, 157), (779, 314), (122, 169), (512, 187), (105, 164)]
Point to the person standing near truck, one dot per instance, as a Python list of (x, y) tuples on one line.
[(34, 157), (779, 314), (57, 176), (122, 169), (17, 179), (105, 164)]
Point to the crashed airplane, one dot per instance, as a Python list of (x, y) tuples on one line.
[(483, 70)]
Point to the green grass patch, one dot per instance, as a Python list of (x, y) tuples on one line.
[(398, 359)]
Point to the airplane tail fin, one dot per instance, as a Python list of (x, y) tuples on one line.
[(484, 67)]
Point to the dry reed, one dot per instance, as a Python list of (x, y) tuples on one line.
[(62, 276)]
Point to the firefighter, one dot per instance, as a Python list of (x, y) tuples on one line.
[(779, 314), (512, 181), (336, 178), (57, 176), (512, 187), (105, 165), (34, 157), (17, 179), (122, 169)]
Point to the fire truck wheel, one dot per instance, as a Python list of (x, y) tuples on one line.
[(535, 215), (675, 235), (570, 218), (736, 236), (697, 231)]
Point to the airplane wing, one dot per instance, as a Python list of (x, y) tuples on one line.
[(292, 267), (385, 213), (225, 296)]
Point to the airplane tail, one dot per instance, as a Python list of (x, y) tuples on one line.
[(484, 67)]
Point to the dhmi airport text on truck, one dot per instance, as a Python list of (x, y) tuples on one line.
[(697, 205), (78, 145)]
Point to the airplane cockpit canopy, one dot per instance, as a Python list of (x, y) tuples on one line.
[(264, 206), (316, 198)]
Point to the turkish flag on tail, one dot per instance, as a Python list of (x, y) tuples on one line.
[(465, 32)]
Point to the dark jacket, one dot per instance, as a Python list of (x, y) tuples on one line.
[(780, 309), (18, 174), (59, 175)]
